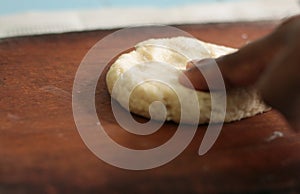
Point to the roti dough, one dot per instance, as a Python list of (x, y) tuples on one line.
[(174, 52)]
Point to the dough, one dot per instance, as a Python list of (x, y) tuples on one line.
[(159, 57)]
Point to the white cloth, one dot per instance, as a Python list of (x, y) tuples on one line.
[(106, 18)]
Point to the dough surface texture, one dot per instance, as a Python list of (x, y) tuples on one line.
[(164, 59)]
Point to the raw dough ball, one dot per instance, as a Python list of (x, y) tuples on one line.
[(173, 54)]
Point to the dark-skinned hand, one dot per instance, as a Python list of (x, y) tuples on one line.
[(272, 64)]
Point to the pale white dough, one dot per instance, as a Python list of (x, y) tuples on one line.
[(174, 53)]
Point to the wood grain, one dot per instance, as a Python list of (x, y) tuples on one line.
[(42, 152)]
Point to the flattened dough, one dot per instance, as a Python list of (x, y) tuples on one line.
[(175, 52)]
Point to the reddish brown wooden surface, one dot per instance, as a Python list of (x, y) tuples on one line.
[(42, 152)]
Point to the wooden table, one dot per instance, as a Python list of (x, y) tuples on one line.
[(41, 150)]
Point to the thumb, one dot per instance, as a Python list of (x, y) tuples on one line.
[(241, 68), (197, 73)]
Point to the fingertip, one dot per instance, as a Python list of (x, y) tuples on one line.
[(190, 64), (192, 78), (195, 62)]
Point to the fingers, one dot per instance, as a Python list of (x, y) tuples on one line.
[(241, 68), (194, 75), (280, 86), (191, 64), (290, 20), (271, 62), (245, 66)]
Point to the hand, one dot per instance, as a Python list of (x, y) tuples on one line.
[(271, 63)]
